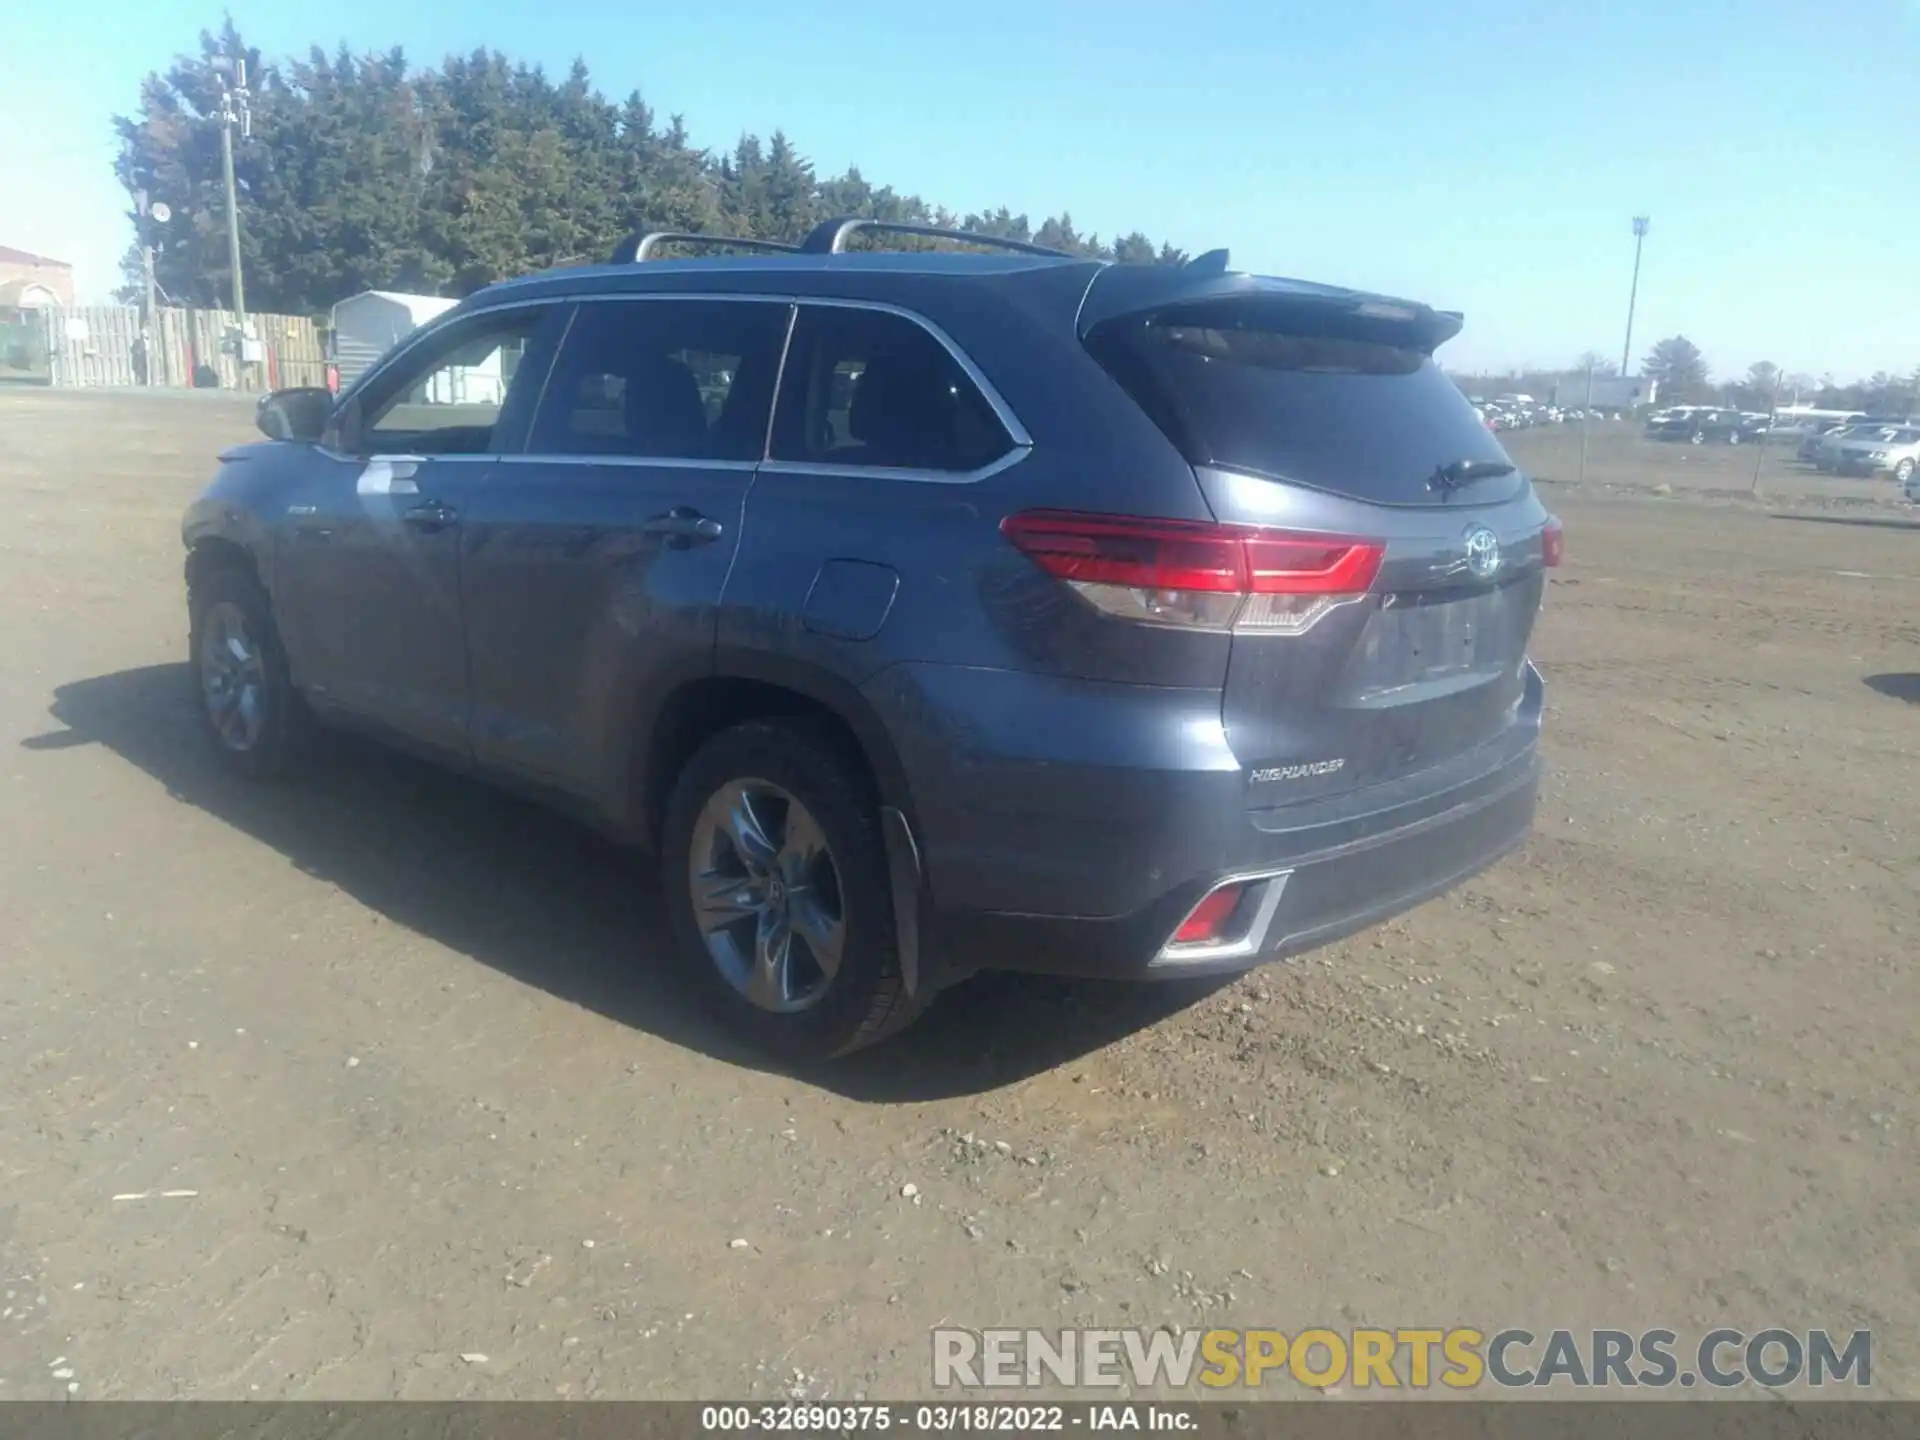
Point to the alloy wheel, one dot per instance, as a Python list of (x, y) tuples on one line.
[(233, 677), (766, 896)]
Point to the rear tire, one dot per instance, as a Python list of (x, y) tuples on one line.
[(772, 836), (252, 716)]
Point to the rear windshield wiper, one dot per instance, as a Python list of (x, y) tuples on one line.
[(1455, 473)]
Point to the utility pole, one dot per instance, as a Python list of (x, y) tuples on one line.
[(150, 330), (153, 317), (234, 110), (1639, 240), (1586, 418)]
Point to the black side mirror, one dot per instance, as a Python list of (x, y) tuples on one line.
[(300, 414)]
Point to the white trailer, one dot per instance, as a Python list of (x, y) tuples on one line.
[(367, 325)]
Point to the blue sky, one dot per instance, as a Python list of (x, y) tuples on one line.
[(1484, 156)]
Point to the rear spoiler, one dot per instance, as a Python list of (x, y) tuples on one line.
[(1137, 291)]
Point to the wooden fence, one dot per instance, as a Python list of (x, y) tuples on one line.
[(100, 345)]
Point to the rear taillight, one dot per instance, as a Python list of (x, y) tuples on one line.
[(1553, 543), (1196, 574)]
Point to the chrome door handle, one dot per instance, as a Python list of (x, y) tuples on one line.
[(684, 526), (430, 515)]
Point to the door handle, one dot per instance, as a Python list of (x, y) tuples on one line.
[(430, 515), (684, 526)]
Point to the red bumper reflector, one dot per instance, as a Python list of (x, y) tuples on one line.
[(1208, 921)]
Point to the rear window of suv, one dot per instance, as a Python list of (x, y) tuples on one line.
[(1315, 399)]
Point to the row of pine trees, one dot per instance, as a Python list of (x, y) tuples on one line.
[(366, 172)]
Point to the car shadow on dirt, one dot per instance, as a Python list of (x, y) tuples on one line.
[(1898, 685), (551, 903)]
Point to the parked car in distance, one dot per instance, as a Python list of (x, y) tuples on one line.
[(1815, 438), (1699, 424), (1877, 450), (919, 613), (1798, 429), (1826, 448)]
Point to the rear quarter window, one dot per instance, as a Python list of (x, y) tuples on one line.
[(869, 389)]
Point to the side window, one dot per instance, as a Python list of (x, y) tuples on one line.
[(870, 388), (448, 400), (666, 379)]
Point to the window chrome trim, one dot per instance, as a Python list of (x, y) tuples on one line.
[(413, 457), (890, 472), (661, 462), (996, 402)]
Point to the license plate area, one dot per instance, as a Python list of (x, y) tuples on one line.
[(1416, 638)]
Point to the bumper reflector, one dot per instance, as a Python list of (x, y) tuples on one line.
[(1230, 922)]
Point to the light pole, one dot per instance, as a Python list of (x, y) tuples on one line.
[(234, 110), (1639, 240), (151, 214)]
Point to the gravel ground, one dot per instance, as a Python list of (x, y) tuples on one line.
[(370, 1086)]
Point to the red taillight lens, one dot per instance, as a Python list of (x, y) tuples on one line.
[(1197, 573), (1119, 550), (1308, 565), (1208, 921), (333, 378), (1553, 543)]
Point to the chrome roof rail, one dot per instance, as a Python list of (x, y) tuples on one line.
[(830, 237), (641, 247)]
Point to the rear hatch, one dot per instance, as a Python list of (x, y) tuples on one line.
[(1322, 413)]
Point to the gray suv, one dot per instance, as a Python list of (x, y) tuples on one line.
[(922, 613)]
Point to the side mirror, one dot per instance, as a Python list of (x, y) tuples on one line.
[(299, 414)]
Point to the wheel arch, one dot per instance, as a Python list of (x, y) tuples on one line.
[(756, 687), (217, 552)]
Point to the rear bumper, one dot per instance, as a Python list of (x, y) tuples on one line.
[(1157, 841), (1322, 896)]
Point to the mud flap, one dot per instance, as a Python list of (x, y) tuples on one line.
[(903, 874)]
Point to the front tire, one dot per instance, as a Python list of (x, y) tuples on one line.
[(253, 717), (1903, 472), (775, 873)]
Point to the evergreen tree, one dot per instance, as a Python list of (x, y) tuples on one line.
[(788, 192), (364, 172)]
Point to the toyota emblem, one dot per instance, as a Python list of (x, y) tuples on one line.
[(1483, 552)]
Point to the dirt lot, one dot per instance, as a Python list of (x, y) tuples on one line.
[(370, 1086)]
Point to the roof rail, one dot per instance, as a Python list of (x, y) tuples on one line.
[(830, 236), (638, 247)]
